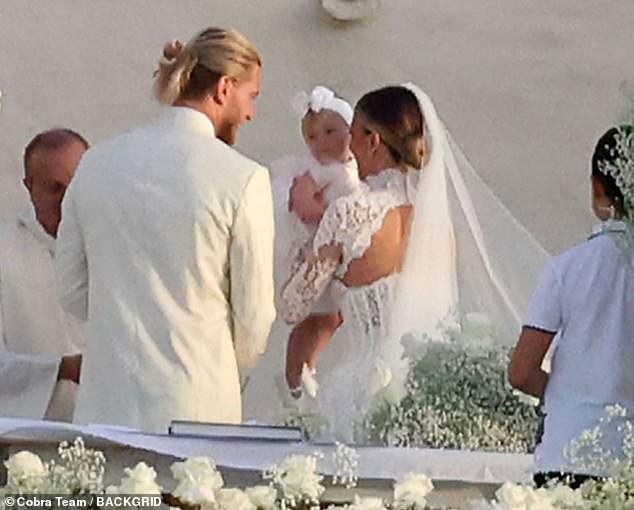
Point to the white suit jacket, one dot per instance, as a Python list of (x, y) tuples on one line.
[(166, 247), (34, 331)]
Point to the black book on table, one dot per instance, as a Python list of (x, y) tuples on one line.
[(185, 428)]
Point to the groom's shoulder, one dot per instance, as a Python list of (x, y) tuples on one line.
[(232, 157)]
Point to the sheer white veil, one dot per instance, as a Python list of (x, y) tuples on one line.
[(470, 265)]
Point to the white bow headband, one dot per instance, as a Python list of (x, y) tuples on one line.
[(322, 98)]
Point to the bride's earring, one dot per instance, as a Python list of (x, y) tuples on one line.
[(612, 212)]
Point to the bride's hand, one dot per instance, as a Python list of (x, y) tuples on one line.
[(306, 199)]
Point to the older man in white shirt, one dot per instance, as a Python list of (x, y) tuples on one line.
[(166, 246), (40, 345)]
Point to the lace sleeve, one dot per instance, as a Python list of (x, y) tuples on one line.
[(351, 221), (310, 277), (344, 234), (315, 265)]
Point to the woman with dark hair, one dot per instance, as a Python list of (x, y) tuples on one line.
[(392, 256), (585, 300)]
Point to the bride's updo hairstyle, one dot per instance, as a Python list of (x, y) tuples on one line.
[(192, 70), (394, 113)]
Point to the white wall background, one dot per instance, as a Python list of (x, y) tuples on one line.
[(525, 87)]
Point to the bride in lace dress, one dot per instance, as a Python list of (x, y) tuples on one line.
[(389, 283)]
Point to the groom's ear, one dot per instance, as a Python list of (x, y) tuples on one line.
[(222, 89)]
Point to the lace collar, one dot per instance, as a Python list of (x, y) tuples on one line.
[(384, 179), (401, 184)]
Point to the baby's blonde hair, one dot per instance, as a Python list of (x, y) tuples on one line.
[(196, 67)]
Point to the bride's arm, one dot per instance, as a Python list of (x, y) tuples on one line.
[(310, 276)]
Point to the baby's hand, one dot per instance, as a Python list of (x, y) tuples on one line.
[(306, 199)]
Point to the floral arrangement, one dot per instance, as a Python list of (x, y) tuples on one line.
[(621, 168), (293, 484), (296, 483), (457, 396)]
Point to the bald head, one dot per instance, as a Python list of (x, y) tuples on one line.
[(50, 161)]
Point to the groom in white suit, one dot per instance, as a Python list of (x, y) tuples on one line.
[(166, 248)]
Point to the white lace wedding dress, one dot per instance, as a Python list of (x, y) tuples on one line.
[(349, 364), (467, 256)]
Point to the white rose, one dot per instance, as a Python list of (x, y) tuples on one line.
[(197, 467), (381, 377), (139, 480), (25, 464), (320, 98), (395, 391), (567, 497), (309, 380), (513, 496), (234, 499), (540, 501), (263, 497), (199, 479), (367, 504), (26, 470), (199, 471), (300, 478), (411, 491), (190, 491)]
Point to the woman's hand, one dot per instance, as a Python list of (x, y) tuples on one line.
[(306, 199)]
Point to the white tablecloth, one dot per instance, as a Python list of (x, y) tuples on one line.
[(251, 455)]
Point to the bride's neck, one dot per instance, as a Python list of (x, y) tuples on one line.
[(380, 163)]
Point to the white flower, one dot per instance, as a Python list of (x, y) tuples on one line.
[(346, 461), (316, 101), (234, 499), (27, 472), (298, 478), (24, 464), (199, 479), (263, 497), (521, 497), (190, 491), (411, 490), (309, 381), (381, 378), (139, 480), (201, 468), (367, 504), (513, 496), (567, 497)]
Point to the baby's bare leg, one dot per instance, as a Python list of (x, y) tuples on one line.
[(307, 340)]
